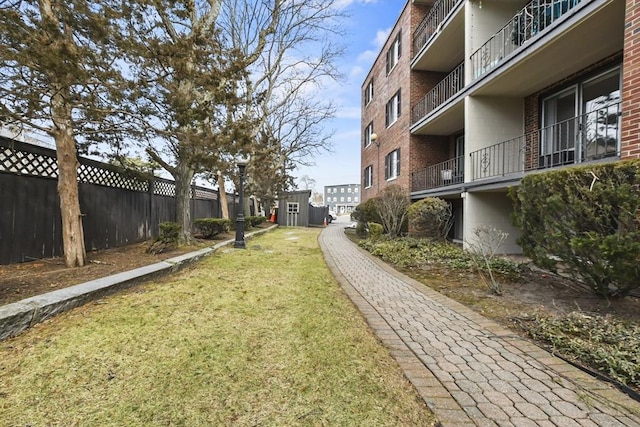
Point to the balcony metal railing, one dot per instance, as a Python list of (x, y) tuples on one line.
[(440, 175), (526, 24), (594, 135), (431, 23), (449, 86)]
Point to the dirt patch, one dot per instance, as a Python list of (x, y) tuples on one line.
[(538, 292), (24, 280)]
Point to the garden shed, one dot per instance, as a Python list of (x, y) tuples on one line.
[(294, 210)]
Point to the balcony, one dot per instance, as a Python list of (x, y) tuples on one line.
[(443, 91), (592, 136), (528, 23), (431, 23), (439, 175)]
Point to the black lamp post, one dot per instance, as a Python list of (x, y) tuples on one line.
[(239, 242)]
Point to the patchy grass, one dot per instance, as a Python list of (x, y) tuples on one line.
[(262, 336)]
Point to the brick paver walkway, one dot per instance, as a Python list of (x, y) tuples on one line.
[(469, 370)]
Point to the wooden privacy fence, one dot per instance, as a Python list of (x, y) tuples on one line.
[(118, 207)]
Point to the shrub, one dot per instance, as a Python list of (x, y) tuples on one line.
[(409, 252), (366, 212), (430, 217), (361, 229), (375, 229), (391, 206), (168, 237), (169, 232), (210, 227), (255, 220), (585, 220)]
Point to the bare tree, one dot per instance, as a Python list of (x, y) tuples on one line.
[(57, 77), (287, 80), (307, 182), (392, 206)]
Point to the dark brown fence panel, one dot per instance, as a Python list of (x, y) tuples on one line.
[(114, 217), (118, 207), (30, 225)]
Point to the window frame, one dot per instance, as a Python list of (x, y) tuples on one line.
[(368, 131), (368, 176), (368, 93), (394, 52), (392, 109), (392, 165)]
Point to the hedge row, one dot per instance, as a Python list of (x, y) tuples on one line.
[(585, 222)]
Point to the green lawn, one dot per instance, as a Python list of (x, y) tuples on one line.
[(262, 336)]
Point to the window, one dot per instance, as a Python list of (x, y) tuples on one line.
[(342, 190), (349, 199), (342, 199), (392, 110), (368, 93), (368, 131), (349, 190), (293, 207), (392, 165), (355, 199), (394, 52), (368, 176), (582, 123)]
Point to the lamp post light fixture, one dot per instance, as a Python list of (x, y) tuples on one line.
[(239, 242)]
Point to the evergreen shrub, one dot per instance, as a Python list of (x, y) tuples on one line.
[(430, 217), (210, 227), (585, 222)]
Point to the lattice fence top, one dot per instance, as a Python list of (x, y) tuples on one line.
[(92, 174), (25, 159), (26, 163)]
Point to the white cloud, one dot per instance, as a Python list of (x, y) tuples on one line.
[(381, 37), (341, 4), (351, 112), (369, 56), (356, 71)]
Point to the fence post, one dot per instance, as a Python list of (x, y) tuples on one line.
[(152, 217)]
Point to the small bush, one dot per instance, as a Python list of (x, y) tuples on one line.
[(366, 212), (210, 227), (430, 217), (168, 237), (361, 229), (375, 229), (585, 220), (255, 221), (169, 232)]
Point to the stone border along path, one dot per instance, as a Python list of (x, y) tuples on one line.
[(469, 370), (21, 315)]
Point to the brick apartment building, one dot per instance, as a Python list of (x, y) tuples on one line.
[(468, 96)]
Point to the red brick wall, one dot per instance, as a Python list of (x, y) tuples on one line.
[(397, 135), (631, 82)]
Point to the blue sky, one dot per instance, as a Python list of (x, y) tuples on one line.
[(369, 26)]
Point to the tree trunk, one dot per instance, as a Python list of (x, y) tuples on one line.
[(72, 231), (183, 176), (224, 206)]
